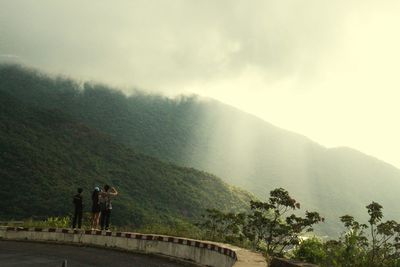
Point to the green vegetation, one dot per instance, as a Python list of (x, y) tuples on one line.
[(57, 135), (355, 247), (57, 222), (267, 227), (45, 155), (311, 250), (207, 135)]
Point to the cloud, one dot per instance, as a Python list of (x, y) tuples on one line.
[(164, 44), (326, 69)]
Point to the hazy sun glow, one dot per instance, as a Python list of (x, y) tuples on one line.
[(324, 69)]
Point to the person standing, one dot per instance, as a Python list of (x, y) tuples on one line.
[(95, 208), (78, 203), (106, 197)]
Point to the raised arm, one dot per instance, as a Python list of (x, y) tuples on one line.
[(114, 192)]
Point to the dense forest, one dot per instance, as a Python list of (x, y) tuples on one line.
[(45, 155), (208, 135)]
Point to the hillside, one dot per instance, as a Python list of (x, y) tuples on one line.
[(45, 155), (208, 135)]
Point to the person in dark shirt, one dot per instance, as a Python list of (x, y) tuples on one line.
[(95, 208), (78, 203)]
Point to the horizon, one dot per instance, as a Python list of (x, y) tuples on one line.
[(323, 70)]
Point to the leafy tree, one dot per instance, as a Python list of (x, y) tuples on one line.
[(270, 223), (385, 237), (357, 247), (267, 225), (350, 249)]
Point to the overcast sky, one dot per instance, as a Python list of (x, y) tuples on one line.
[(326, 69)]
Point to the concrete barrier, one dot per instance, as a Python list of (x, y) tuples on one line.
[(204, 253)]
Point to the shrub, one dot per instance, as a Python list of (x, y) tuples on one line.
[(311, 250)]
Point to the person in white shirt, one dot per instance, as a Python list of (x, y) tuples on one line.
[(106, 197)]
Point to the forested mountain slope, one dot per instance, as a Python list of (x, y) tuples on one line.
[(205, 134), (45, 155)]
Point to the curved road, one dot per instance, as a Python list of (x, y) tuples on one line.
[(13, 253)]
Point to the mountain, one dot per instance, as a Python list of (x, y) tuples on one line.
[(45, 155), (208, 135)]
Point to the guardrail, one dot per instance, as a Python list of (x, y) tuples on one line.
[(201, 252)]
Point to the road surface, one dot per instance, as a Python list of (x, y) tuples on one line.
[(14, 253)]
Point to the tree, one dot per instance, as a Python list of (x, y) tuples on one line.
[(268, 226), (270, 223), (385, 237), (357, 248)]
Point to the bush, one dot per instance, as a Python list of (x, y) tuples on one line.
[(56, 222), (311, 250)]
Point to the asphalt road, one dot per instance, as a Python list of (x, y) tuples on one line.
[(13, 253)]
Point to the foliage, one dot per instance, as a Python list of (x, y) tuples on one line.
[(268, 224), (205, 134), (57, 222), (357, 248), (45, 155), (311, 250), (57, 134), (225, 227)]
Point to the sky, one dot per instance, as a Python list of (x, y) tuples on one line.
[(325, 69)]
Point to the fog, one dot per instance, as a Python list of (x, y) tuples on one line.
[(325, 69)]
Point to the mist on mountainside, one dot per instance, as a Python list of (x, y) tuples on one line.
[(46, 154), (211, 136)]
